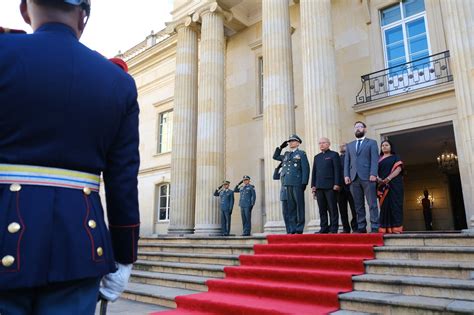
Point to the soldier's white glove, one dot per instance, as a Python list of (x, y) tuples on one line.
[(113, 284)]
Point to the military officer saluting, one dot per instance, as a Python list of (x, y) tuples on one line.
[(246, 203), (294, 176), (226, 197)]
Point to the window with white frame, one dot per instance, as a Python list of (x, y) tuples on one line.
[(165, 130), (162, 200), (260, 85), (404, 32)]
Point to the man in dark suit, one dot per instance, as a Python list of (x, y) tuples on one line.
[(67, 116), (325, 182), (294, 176), (344, 196), (360, 171)]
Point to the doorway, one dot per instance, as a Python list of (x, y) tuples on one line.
[(419, 149)]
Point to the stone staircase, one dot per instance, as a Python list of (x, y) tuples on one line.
[(416, 274), (412, 273), (171, 266)]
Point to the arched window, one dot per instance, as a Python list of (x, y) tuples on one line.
[(162, 201)]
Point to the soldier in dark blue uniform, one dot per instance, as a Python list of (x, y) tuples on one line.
[(325, 183), (344, 196), (246, 203), (67, 117), (226, 197), (294, 176), (283, 198)]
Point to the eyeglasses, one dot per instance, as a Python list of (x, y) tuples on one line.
[(359, 127)]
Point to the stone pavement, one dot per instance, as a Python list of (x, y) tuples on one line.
[(127, 307)]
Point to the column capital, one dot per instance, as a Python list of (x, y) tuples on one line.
[(212, 7), (187, 21)]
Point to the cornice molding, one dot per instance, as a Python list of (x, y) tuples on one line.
[(153, 54), (149, 170)]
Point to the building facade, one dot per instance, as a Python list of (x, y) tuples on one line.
[(227, 81)]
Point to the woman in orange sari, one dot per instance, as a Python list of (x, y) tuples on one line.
[(390, 189)]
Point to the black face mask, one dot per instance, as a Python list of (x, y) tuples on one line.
[(359, 134)]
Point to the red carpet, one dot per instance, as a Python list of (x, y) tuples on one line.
[(292, 274)]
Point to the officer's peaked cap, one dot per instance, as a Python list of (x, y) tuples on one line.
[(246, 177), (295, 137), (226, 182)]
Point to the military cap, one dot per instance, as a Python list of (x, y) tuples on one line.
[(226, 182), (295, 137), (246, 177)]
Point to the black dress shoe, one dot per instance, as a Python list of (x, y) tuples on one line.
[(346, 231), (332, 232), (361, 231), (322, 232)]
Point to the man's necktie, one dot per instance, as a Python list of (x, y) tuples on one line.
[(358, 145)]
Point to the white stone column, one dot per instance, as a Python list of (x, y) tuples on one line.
[(278, 100), (459, 26), (183, 162), (319, 83), (210, 133)]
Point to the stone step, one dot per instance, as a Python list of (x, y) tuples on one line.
[(425, 253), (418, 286), (210, 240), (423, 268), (131, 307), (392, 303), (226, 260), (158, 295), (195, 283), (198, 249), (203, 270), (431, 239)]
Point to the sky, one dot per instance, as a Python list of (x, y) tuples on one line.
[(114, 24)]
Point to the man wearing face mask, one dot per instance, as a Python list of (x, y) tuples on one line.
[(67, 117), (360, 171)]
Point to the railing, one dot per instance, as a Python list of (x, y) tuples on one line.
[(420, 73)]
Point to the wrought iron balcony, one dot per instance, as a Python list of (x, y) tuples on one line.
[(420, 73)]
